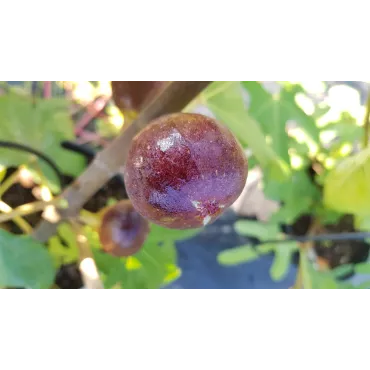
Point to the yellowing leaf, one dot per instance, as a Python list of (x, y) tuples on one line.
[(132, 263), (347, 186), (362, 222), (173, 273)]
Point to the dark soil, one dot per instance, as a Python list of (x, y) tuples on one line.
[(17, 195), (69, 277), (335, 253)]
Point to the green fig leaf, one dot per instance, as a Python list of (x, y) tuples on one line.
[(282, 260), (347, 186), (24, 263), (237, 255), (225, 100), (257, 229)]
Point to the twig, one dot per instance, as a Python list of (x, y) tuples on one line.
[(18, 220), (94, 109), (111, 160), (47, 89), (367, 121), (89, 271), (9, 182), (29, 208), (306, 244), (88, 137), (68, 88)]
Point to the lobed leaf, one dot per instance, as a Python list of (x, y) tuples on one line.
[(42, 126)]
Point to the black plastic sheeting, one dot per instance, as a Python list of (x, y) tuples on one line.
[(197, 258)]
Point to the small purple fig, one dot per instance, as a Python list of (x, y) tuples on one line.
[(122, 231)]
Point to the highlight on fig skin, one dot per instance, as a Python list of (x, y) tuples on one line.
[(130, 96), (184, 170), (122, 231)]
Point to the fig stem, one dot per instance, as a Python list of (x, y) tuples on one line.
[(306, 280), (87, 266), (173, 98), (367, 121), (307, 244), (29, 208), (18, 220)]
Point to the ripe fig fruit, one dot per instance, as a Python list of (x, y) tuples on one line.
[(130, 96), (183, 170), (122, 230)]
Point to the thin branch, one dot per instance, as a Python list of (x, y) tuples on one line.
[(110, 161), (29, 208), (87, 266), (47, 89), (10, 181), (367, 121), (95, 108), (88, 137), (305, 245), (18, 220)]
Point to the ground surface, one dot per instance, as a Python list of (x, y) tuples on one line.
[(200, 269)]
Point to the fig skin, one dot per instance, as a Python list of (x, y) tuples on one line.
[(122, 231), (130, 96), (183, 170)]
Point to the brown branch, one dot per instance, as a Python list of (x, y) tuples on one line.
[(110, 161)]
